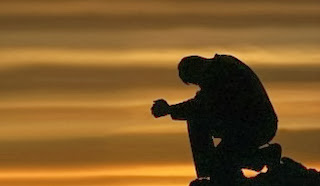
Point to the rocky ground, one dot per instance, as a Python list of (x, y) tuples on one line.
[(288, 173)]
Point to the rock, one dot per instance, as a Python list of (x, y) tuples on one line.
[(288, 173)]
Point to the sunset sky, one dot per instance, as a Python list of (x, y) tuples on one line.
[(78, 78)]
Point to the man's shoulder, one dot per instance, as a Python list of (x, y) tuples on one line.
[(226, 58), (229, 61)]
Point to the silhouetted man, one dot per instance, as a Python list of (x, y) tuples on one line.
[(232, 104)]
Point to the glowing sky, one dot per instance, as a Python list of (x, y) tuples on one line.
[(78, 77)]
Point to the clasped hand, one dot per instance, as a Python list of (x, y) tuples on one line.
[(160, 108)]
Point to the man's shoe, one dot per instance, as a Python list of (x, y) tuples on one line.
[(200, 182), (269, 156), (272, 155)]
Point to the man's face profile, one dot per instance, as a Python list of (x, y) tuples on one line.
[(190, 69)]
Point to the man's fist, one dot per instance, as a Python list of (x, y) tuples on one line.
[(160, 108)]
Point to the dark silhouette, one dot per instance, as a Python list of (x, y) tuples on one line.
[(288, 173), (233, 105)]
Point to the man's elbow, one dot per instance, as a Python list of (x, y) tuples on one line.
[(178, 117)]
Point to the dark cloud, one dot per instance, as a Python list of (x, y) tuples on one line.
[(106, 80), (302, 145), (297, 74), (138, 22), (86, 79), (133, 149), (139, 15), (149, 24), (112, 150)]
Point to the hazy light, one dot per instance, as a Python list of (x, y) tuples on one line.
[(139, 170), (162, 57)]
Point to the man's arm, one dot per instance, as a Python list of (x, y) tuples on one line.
[(180, 111)]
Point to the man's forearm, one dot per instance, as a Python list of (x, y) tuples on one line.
[(186, 109), (179, 111)]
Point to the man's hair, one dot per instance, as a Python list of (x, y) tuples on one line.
[(188, 66)]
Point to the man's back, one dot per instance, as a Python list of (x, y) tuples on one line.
[(233, 95)]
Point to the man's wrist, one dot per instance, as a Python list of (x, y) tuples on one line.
[(170, 108)]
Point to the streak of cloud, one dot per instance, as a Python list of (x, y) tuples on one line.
[(124, 22), (131, 150), (118, 15), (104, 180), (173, 38), (56, 78)]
